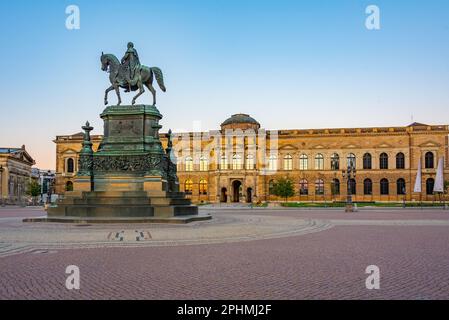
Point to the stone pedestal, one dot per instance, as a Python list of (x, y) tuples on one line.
[(130, 176)]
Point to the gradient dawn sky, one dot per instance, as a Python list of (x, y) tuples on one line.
[(289, 64)]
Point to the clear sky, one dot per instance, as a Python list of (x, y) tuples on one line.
[(290, 64)]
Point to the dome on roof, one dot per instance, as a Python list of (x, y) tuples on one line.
[(241, 121)]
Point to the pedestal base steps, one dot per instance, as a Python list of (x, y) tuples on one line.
[(116, 204)]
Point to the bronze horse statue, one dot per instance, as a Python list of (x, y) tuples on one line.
[(117, 76)]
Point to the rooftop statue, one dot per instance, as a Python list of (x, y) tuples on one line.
[(130, 75)]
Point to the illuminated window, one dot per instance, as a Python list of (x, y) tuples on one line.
[(189, 164), (303, 162), (204, 164), (272, 163), (288, 162), (203, 186), (237, 162), (319, 162), (224, 162), (250, 162), (188, 186)]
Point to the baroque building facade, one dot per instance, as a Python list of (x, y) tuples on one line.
[(241, 162), (15, 173)]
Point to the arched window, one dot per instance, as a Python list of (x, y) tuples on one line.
[(367, 187), (204, 164), (367, 161), (272, 162), (203, 186), (70, 165), (303, 162), (288, 162), (400, 186), (429, 160), (400, 161), (384, 187), (189, 163), (224, 162), (319, 187), (188, 186), (351, 160), (335, 187), (335, 162), (270, 187), (352, 186), (383, 161), (429, 186), (319, 162), (237, 162), (250, 162), (303, 187), (69, 186)]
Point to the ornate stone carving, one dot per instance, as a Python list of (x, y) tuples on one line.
[(129, 163)]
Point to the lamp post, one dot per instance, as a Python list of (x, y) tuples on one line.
[(1, 186), (403, 198), (349, 174)]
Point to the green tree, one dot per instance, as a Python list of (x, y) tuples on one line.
[(33, 189), (284, 188)]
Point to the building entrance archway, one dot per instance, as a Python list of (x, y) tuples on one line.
[(224, 195), (236, 190)]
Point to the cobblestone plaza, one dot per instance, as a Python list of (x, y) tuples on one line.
[(241, 253)]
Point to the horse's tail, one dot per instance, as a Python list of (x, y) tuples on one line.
[(159, 77)]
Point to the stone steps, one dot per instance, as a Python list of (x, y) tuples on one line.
[(126, 201), (121, 211)]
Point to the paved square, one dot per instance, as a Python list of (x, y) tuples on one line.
[(239, 254)]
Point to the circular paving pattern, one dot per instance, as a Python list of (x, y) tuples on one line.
[(18, 237), (298, 254)]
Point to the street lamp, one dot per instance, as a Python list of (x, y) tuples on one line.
[(1, 186), (403, 198), (349, 174)]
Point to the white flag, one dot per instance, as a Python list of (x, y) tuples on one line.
[(418, 178), (439, 180)]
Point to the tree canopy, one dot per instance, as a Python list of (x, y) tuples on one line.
[(284, 188)]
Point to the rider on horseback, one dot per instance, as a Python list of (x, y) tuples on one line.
[(131, 61)]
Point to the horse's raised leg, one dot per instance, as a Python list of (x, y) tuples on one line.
[(117, 90), (141, 90), (153, 92), (106, 94)]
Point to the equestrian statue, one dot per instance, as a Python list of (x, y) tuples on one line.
[(130, 75)]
